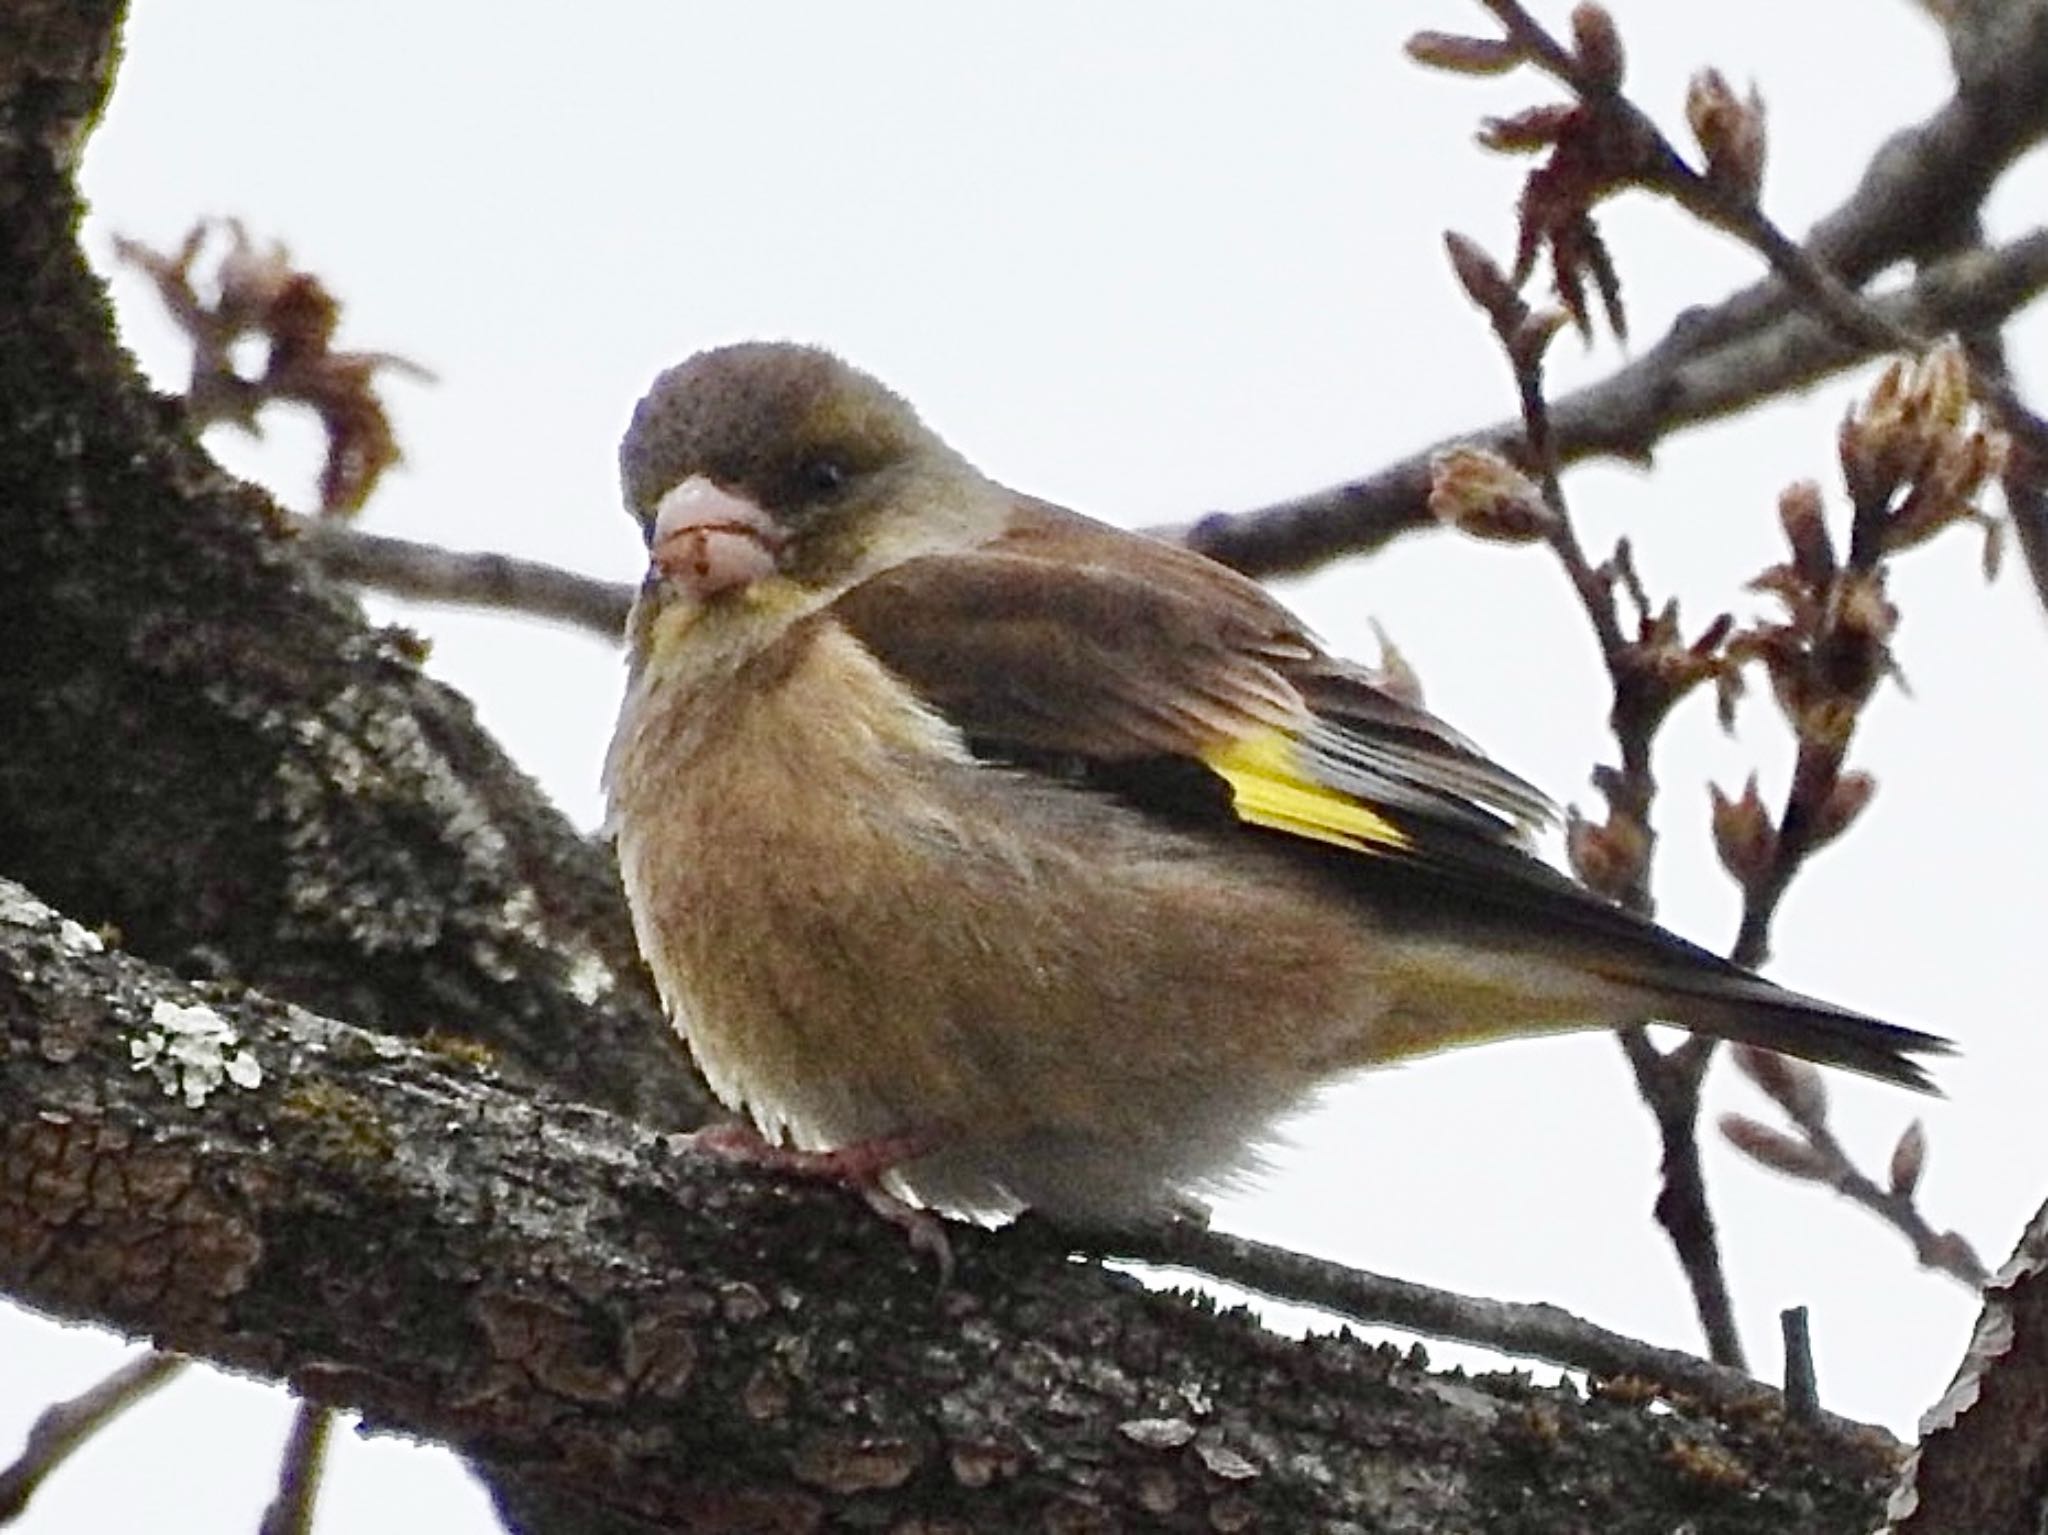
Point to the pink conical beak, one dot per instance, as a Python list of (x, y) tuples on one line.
[(708, 540)]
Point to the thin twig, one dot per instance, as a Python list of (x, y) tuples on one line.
[(1669, 1085), (1607, 143), (1827, 658), (1913, 463), (1812, 1153), (1731, 203), (1866, 324), (1674, 385), (1534, 40), (1815, 770), (429, 573), (1842, 658), (2024, 481), (1647, 675), (298, 1472), (1714, 362), (65, 1427), (1815, 288), (1540, 1332), (1945, 1252), (1924, 182)]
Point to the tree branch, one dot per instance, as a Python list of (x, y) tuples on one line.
[(65, 1427), (1539, 1331), (1983, 1459), (1705, 368), (577, 1299), (298, 1474), (208, 751), (1924, 185), (430, 573), (208, 748), (1676, 384)]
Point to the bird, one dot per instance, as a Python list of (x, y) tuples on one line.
[(1051, 864)]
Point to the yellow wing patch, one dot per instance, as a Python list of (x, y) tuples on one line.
[(1268, 788)]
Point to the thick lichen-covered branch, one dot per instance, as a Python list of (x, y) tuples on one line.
[(575, 1298), (208, 749)]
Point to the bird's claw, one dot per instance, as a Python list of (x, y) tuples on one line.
[(859, 1165)]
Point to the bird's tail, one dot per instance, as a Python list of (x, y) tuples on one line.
[(1728, 1002), (1475, 984), (1483, 942)]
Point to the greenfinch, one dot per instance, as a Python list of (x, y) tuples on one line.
[(1059, 860)]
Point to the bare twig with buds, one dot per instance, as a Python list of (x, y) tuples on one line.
[(260, 293), (1814, 1155), (1650, 668), (1601, 143), (1916, 457), (1913, 462)]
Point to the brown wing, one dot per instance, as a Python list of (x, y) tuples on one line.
[(1186, 689), (1070, 638)]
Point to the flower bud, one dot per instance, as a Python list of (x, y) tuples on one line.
[(1597, 44), (1730, 132), (1608, 857), (1775, 1149), (1529, 131), (1796, 1086), (1804, 519), (1484, 282), (1909, 1160), (1838, 812), (1395, 674), (1744, 835), (1465, 55), (1479, 492)]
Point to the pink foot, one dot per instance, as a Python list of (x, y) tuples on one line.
[(858, 1166)]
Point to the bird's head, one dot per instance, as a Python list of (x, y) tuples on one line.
[(769, 476)]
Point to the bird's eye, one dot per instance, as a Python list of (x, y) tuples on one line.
[(825, 476)]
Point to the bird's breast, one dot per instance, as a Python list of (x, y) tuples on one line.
[(778, 845), (864, 931)]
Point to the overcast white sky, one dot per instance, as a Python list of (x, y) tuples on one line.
[(1149, 260)]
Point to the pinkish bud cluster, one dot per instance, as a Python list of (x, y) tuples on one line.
[(1478, 492)]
